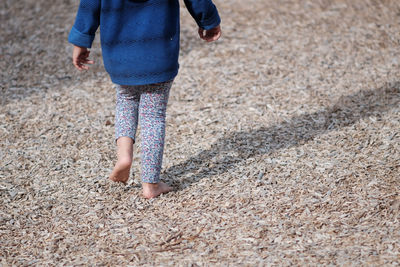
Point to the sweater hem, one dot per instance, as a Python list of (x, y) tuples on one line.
[(144, 79)]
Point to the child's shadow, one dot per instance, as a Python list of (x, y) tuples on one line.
[(236, 147)]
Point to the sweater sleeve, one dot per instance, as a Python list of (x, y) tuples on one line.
[(86, 23), (204, 13)]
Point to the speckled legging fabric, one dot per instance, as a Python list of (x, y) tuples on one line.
[(146, 104)]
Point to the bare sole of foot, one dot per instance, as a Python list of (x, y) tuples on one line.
[(120, 172), (154, 190)]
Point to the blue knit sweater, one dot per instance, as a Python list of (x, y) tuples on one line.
[(139, 38)]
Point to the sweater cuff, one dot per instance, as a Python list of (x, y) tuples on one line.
[(211, 23), (80, 39)]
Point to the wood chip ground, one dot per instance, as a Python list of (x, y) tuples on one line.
[(283, 142)]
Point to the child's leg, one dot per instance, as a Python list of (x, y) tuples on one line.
[(126, 111), (126, 120), (152, 112)]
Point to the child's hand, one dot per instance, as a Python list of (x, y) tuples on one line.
[(211, 35), (80, 56)]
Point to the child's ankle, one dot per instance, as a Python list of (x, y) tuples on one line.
[(150, 185)]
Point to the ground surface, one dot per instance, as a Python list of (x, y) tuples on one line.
[(283, 142)]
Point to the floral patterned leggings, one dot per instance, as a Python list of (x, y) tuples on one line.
[(147, 104)]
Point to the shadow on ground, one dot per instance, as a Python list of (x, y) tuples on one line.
[(236, 147)]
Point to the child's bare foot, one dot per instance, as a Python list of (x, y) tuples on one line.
[(121, 170), (154, 190), (124, 162)]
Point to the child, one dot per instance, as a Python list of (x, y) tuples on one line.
[(140, 47)]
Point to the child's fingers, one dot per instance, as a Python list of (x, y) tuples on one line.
[(210, 35), (216, 36), (77, 61), (79, 67), (77, 64), (80, 58), (84, 58), (84, 67), (87, 61), (80, 64)]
